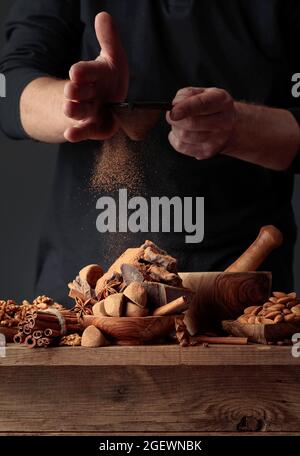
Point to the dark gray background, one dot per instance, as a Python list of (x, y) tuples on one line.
[(25, 183)]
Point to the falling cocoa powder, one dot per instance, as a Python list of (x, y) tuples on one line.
[(117, 166)]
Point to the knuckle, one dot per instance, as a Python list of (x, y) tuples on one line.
[(182, 135), (179, 145), (229, 104), (67, 109), (78, 66), (186, 90), (191, 123), (201, 102), (208, 149), (223, 95)]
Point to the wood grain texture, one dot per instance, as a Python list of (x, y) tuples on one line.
[(223, 296), (132, 330), (185, 399), (151, 355), (268, 239), (262, 333)]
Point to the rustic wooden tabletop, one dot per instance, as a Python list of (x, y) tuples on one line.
[(150, 389)]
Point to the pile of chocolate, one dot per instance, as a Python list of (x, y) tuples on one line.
[(129, 287)]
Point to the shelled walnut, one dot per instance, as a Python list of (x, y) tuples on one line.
[(72, 340), (12, 314), (281, 307)]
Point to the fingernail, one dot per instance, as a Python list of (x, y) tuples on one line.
[(179, 98)]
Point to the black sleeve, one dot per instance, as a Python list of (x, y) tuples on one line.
[(290, 24), (42, 39)]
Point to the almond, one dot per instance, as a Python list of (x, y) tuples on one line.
[(278, 319), (251, 319), (257, 310), (279, 294), (284, 300), (267, 321), (273, 314), (267, 305), (286, 311), (249, 310), (242, 319), (276, 307), (292, 295), (296, 309), (273, 299), (291, 304), (262, 313)]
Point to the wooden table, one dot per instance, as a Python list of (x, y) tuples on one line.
[(151, 389)]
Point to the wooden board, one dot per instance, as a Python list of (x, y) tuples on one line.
[(159, 390), (150, 355)]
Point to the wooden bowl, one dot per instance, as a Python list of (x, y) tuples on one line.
[(262, 334), (132, 330), (223, 296)]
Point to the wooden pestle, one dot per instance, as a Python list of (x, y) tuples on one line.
[(269, 238)]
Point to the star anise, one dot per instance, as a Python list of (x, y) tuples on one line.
[(113, 284), (83, 307)]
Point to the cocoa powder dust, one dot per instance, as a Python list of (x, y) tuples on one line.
[(117, 165)]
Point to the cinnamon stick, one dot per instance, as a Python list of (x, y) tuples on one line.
[(27, 330), (18, 338), (30, 341), (52, 333), (230, 340), (175, 307)]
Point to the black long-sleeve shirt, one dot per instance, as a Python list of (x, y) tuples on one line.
[(243, 46)]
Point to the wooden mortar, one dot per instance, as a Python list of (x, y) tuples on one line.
[(224, 295)]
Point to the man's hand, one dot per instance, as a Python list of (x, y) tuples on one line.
[(202, 121), (206, 122), (94, 83)]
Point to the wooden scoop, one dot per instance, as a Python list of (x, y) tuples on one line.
[(137, 118), (269, 239)]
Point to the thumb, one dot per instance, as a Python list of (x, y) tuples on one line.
[(109, 40)]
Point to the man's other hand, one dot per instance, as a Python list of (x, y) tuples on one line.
[(202, 121)]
